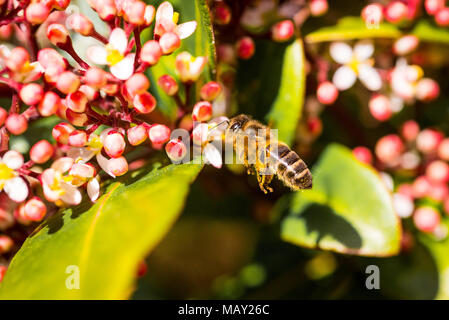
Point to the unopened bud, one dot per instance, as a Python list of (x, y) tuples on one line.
[(136, 135), (80, 24), (77, 138), (245, 48), (31, 93), (57, 34), (36, 13), (144, 103), (68, 82), (114, 144), (159, 134), (168, 84), (77, 101), (137, 84), (16, 124), (210, 91), (169, 42), (151, 52), (176, 150), (282, 31), (61, 132), (202, 111), (41, 152)]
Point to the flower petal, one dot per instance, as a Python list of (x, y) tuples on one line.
[(103, 163), (62, 164), (16, 189), (97, 54), (363, 50), (125, 68), (341, 52), (119, 40), (370, 77), (80, 153), (213, 156), (13, 159), (184, 30), (165, 11), (72, 196), (344, 78), (93, 189)]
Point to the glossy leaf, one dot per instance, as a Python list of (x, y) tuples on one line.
[(349, 210), (350, 28), (287, 107), (105, 241), (425, 31), (200, 43)]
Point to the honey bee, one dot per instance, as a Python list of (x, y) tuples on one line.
[(247, 135)]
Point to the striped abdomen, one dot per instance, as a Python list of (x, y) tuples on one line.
[(290, 168)]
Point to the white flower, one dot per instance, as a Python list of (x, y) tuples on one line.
[(113, 55), (29, 71), (57, 187), (166, 21), (14, 185), (404, 79), (355, 63)]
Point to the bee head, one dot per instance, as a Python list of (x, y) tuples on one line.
[(237, 123)]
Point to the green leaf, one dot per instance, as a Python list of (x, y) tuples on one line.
[(287, 107), (349, 210), (350, 28), (200, 43), (105, 240), (425, 31)]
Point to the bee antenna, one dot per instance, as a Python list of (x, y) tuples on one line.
[(217, 125)]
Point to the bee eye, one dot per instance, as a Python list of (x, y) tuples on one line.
[(235, 126)]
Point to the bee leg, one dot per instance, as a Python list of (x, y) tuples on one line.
[(264, 181)]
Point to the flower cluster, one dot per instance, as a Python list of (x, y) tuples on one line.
[(100, 96)]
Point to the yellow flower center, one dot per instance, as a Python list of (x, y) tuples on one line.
[(26, 68), (6, 172), (354, 65), (113, 56), (175, 17), (94, 144)]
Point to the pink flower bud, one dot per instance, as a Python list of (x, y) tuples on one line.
[(282, 31), (90, 92), (34, 210), (405, 45), (428, 140), (6, 31), (68, 82), (137, 135), (168, 84), (77, 119), (210, 91), (327, 92), (373, 14), (17, 59), (245, 48), (446, 206), (151, 52), (137, 84), (363, 154), (16, 124), (314, 125), (57, 34), (427, 90), (80, 24), (438, 171), (106, 9), (433, 6), (31, 93), (226, 53), (2, 272), (202, 111), (379, 106), (135, 12), (83, 170), (176, 150), (318, 7), (420, 187), (144, 103), (114, 144), (77, 101), (96, 77), (222, 14), (396, 11), (41, 152), (3, 115), (36, 13), (149, 14), (389, 148), (61, 132), (118, 166), (49, 104), (6, 244), (169, 42), (405, 189), (442, 17), (426, 219), (200, 133), (410, 130), (77, 138), (159, 134), (443, 149), (60, 4)]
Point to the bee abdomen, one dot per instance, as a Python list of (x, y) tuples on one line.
[(294, 172)]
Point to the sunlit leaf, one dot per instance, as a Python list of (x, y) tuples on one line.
[(425, 31), (287, 107), (349, 209), (105, 241), (350, 28)]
